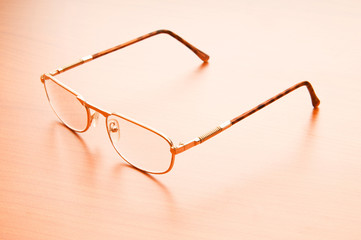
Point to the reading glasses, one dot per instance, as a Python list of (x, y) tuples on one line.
[(141, 146)]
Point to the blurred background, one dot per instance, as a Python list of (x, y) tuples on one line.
[(286, 172)]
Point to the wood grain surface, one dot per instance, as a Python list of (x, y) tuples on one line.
[(286, 172)]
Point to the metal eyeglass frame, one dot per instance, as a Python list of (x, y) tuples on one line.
[(182, 146)]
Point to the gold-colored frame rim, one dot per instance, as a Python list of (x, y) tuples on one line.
[(107, 114), (168, 140)]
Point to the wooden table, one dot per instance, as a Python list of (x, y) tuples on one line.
[(286, 172)]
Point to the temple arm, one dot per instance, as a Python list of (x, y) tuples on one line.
[(227, 124), (204, 57)]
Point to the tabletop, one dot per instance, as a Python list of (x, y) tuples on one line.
[(288, 171)]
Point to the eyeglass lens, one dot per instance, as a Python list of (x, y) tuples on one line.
[(139, 146), (66, 106)]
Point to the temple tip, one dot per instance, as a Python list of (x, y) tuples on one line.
[(204, 57), (315, 102)]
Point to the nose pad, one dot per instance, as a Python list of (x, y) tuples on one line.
[(113, 127), (94, 119)]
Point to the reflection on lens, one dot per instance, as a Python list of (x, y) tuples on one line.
[(66, 106), (139, 146)]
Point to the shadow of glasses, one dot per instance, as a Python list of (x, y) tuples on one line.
[(124, 185), (91, 161), (277, 176), (313, 120), (169, 203), (201, 67), (147, 175), (88, 168), (306, 145), (198, 70)]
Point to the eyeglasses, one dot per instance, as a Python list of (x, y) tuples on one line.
[(141, 146)]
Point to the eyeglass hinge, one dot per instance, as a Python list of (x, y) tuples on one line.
[(42, 78), (185, 146)]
